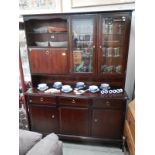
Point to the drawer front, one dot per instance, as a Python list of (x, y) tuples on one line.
[(74, 102), (41, 100), (102, 103), (131, 123), (129, 139)]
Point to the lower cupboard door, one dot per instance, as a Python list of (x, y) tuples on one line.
[(107, 124), (74, 121), (44, 119)]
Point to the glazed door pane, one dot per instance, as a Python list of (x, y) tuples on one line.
[(83, 45), (112, 44)]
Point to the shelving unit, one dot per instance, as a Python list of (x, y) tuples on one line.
[(92, 55)]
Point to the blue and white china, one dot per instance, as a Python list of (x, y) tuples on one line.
[(66, 88), (42, 86), (93, 88), (57, 85), (80, 85), (104, 86)]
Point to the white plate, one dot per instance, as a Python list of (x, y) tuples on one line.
[(67, 90), (42, 89)]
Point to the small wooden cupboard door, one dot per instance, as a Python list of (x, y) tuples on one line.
[(74, 121), (44, 119), (48, 61), (107, 123)]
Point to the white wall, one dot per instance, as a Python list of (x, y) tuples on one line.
[(130, 76), (67, 7)]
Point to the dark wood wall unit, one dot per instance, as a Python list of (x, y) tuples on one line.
[(90, 47)]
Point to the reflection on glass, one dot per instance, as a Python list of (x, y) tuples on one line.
[(112, 43), (82, 30)]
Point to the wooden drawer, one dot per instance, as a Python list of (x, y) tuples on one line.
[(101, 103), (74, 102), (131, 123), (129, 139), (41, 100)]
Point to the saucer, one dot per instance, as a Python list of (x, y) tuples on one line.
[(67, 91), (78, 88), (104, 88), (42, 89), (94, 91)]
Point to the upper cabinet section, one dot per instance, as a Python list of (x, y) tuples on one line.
[(45, 33), (83, 30), (113, 43)]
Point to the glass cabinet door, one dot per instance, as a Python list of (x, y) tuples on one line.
[(83, 44), (112, 44)]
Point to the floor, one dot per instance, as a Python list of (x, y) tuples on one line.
[(79, 149)]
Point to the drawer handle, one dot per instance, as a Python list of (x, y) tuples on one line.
[(30, 101), (95, 120), (107, 103), (53, 116), (41, 99), (73, 101), (47, 52)]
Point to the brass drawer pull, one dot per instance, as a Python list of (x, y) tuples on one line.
[(108, 104), (95, 120), (53, 116), (73, 101), (41, 99), (47, 52)]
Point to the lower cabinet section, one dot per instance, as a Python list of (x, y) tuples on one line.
[(84, 119), (106, 123), (44, 119), (74, 121)]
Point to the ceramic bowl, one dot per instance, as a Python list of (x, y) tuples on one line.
[(44, 44), (59, 44)]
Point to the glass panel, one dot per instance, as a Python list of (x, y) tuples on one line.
[(113, 30), (82, 30), (24, 56)]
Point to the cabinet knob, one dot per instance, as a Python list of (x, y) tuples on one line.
[(47, 52), (41, 99), (73, 101), (94, 46), (95, 120), (107, 103), (53, 116), (30, 101), (100, 46)]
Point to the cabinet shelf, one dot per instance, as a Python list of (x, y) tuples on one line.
[(47, 47), (46, 33)]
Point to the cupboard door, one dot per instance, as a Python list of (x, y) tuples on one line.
[(74, 121), (39, 60), (44, 119), (83, 44), (113, 45), (48, 61), (107, 124)]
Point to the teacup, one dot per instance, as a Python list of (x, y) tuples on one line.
[(93, 88), (42, 86), (80, 84), (104, 86), (66, 87), (57, 84)]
